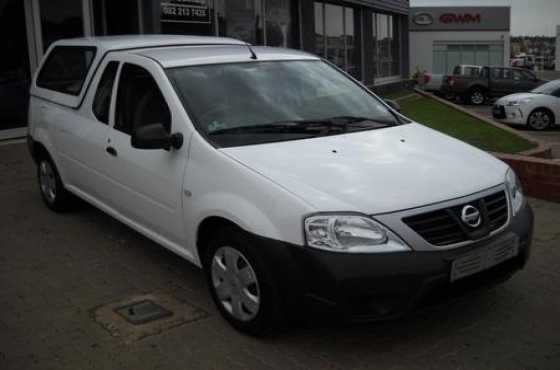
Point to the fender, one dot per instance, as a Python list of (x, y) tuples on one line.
[(217, 185), (232, 208), (41, 136)]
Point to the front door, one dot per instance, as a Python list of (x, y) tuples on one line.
[(146, 184), (501, 81), (523, 81)]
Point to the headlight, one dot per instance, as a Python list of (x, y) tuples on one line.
[(350, 233), (515, 192), (516, 103)]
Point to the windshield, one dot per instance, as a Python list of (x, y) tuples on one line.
[(549, 88), (257, 102)]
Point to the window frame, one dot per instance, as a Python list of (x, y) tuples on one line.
[(49, 58), (119, 84), (393, 22), (114, 84)]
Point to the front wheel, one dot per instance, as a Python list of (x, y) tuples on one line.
[(540, 119), (240, 283)]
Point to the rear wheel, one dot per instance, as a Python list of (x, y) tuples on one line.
[(476, 96), (55, 196), (540, 119), (240, 284)]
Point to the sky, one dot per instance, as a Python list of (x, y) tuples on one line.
[(528, 17)]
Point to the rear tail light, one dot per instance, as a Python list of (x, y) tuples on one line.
[(451, 80), (427, 78)]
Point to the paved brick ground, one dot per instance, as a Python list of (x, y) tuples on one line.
[(54, 269)]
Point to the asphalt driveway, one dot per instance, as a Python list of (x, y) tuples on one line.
[(57, 269)]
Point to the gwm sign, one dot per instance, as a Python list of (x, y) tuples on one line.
[(463, 18), (459, 18)]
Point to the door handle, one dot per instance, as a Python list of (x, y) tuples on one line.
[(111, 151)]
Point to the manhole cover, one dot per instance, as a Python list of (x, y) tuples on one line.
[(137, 317), (142, 312)]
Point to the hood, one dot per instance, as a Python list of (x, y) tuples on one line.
[(374, 171), (517, 96)]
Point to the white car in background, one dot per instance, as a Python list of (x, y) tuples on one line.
[(539, 109)]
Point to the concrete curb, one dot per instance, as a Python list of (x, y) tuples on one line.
[(541, 151), (405, 97)]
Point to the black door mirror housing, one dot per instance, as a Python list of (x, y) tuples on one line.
[(155, 136), (393, 104)]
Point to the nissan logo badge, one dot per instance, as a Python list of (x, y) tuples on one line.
[(471, 216), (423, 19)]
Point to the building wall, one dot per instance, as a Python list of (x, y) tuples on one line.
[(456, 26), (557, 61), (393, 6), (421, 45)]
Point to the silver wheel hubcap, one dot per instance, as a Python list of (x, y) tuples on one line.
[(477, 98), (47, 181), (235, 283), (539, 120)]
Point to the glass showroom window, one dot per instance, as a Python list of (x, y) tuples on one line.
[(279, 25), (241, 20), (387, 54), (335, 36), (259, 22)]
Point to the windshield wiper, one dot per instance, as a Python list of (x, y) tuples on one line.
[(326, 125), (345, 121), (262, 128)]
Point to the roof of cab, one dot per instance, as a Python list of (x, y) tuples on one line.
[(177, 50), (180, 56), (108, 43)]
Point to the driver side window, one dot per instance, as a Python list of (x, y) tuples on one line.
[(519, 75), (139, 101)]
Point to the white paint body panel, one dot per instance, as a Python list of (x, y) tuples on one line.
[(375, 171)]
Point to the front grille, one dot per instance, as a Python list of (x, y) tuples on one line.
[(498, 111), (497, 210), (444, 226)]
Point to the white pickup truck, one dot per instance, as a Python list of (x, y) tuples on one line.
[(289, 182)]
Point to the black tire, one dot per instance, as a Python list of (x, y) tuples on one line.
[(449, 96), (476, 96), (540, 119), (269, 314), (54, 194)]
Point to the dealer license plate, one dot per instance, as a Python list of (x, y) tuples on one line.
[(483, 258)]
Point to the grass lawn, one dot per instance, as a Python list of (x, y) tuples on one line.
[(462, 126)]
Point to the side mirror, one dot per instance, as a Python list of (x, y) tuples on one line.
[(393, 104), (155, 136)]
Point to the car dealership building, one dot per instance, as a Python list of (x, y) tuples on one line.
[(366, 38), (442, 37)]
